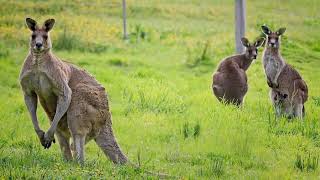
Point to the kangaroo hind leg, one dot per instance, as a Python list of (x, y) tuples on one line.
[(64, 146), (78, 143)]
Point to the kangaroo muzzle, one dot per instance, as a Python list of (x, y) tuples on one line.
[(272, 43), (38, 44)]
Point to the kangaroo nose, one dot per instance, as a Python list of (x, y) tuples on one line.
[(38, 45)]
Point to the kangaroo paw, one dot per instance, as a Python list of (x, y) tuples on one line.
[(48, 139)]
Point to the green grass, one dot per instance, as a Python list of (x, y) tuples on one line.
[(164, 114)]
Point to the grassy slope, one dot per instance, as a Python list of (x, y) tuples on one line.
[(157, 100)]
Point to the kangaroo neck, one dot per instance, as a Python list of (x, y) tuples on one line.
[(273, 54), (39, 58), (272, 51), (244, 62)]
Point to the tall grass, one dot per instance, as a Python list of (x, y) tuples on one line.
[(68, 42), (164, 115)]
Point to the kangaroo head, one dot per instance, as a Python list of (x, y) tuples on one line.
[(279, 98), (273, 38), (40, 40), (252, 49)]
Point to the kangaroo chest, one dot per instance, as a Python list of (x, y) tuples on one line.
[(41, 84), (38, 82), (272, 67)]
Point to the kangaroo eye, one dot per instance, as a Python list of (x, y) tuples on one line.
[(45, 37), (33, 36), (249, 51)]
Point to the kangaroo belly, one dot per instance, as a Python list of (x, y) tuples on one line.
[(45, 91), (272, 68)]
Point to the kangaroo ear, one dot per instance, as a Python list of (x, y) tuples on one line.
[(259, 42), (32, 24), (245, 42), (48, 24), (281, 31), (266, 30)]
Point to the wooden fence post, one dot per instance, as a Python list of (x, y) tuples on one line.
[(240, 24), (124, 18)]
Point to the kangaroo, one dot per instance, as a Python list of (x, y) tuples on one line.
[(279, 100), (230, 80), (282, 77), (75, 103)]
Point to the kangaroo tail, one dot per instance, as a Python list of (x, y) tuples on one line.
[(108, 144)]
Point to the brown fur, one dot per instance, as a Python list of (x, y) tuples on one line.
[(230, 80), (283, 78), (76, 104)]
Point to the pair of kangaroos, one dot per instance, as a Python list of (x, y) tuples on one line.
[(77, 105), (288, 91)]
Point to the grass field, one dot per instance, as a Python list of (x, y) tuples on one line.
[(159, 84)]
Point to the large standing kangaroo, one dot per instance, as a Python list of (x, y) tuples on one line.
[(283, 78), (76, 104)]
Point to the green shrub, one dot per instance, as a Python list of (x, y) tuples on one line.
[(214, 168), (139, 34), (307, 163), (196, 130), (316, 100), (186, 130), (118, 62), (199, 55), (69, 42)]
